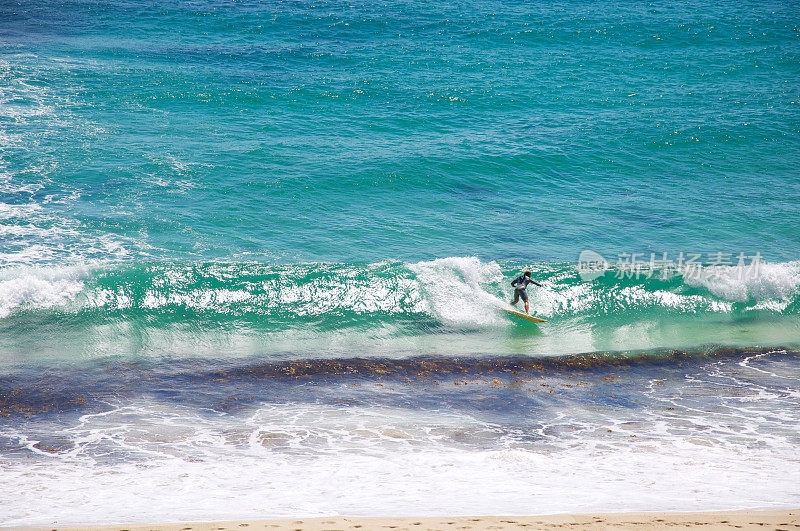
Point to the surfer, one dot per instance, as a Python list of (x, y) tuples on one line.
[(519, 284)]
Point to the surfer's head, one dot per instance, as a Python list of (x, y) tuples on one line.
[(527, 273)]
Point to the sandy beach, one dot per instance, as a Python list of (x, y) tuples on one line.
[(783, 520)]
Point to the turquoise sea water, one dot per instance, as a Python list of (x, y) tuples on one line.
[(356, 132), (201, 186)]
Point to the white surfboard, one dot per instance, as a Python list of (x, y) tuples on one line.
[(521, 315)]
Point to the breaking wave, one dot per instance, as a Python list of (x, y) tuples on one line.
[(456, 290), (444, 307)]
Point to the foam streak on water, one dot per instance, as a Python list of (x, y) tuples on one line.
[(694, 435)]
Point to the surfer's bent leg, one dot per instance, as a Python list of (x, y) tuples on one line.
[(522, 294)]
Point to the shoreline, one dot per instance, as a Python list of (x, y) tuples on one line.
[(777, 520)]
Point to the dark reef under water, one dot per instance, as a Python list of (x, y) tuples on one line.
[(420, 381)]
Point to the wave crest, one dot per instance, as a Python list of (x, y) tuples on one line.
[(455, 291)]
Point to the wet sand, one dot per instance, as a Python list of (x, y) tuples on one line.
[(785, 520)]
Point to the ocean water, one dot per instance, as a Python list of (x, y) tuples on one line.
[(254, 255)]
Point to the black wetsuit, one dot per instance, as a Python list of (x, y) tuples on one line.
[(520, 283)]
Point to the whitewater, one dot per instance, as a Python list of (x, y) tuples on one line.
[(450, 306)]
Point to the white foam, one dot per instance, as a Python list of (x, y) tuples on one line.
[(768, 281), (36, 235), (38, 288), (455, 289), (584, 298), (314, 459), (22, 211)]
